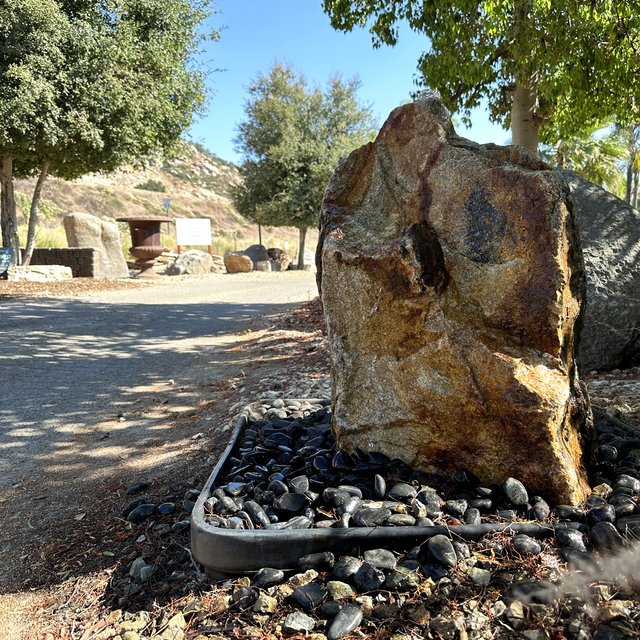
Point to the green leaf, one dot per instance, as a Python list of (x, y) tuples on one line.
[(107, 553), (30, 525)]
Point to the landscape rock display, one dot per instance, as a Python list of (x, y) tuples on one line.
[(237, 262), (84, 230), (257, 253), (610, 236), (453, 285), (280, 260), (193, 263)]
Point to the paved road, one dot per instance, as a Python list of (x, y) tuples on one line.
[(66, 362)]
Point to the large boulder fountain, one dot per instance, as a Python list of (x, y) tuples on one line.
[(454, 289)]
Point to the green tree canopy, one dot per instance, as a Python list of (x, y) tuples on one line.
[(548, 67), (90, 85), (291, 140)]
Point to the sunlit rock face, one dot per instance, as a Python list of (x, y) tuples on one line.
[(453, 286)]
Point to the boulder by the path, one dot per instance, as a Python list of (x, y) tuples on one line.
[(280, 260), (610, 236), (257, 253), (192, 262), (84, 230), (237, 262), (453, 286)]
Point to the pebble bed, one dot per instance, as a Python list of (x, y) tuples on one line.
[(285, 473)]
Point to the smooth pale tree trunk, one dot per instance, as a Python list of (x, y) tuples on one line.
[(33, 213), (634, 199), (8, 217), (524, 125), (303, 239)]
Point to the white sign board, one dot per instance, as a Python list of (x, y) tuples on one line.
[(193, 232)]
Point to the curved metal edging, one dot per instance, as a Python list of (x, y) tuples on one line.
[(229, 552)]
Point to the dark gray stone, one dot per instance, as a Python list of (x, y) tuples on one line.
[(380, 558), (441, 551), (379, 486), (330, 608), (371, 517), (141, 512), (346, 567), (290, 504), (166, 508), (434, 571), (605, 538), (541, 510), (309, 595), (515, 492), (244, 598), (257, 253), (402, 578), (525, 545), (605, 513), (472, 516), (401, 520), (267, 577), (402, 490), (368, 577), (610, 238), (136, 486), (347, 620), (131, 506), (626, 481), (457, 507), (567, 512), (323, 561), (461, 548), (572, 539)]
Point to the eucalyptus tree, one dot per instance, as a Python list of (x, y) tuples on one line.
[(91, 85), (547, 68), (291, 140)]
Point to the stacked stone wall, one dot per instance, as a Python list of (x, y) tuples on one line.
[(84, 263)]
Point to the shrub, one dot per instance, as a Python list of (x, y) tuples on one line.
[(152, 185)]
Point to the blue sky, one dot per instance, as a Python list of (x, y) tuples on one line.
[(258, 32)]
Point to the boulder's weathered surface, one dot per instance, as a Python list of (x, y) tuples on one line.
[(84, 230), (280, 260), (453, 286), (610, 236), (39, 273), (192, 262), (262, 265), (257, 253), (237, 262)]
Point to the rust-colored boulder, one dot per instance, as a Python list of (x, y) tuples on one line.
[(453, 285), (237, 262)]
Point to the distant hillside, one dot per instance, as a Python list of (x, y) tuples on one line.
[(197, 185)]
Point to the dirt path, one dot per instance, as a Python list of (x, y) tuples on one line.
[(106, 387)]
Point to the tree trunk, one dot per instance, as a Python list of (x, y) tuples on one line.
[(303, 237), (8, 216), (524, 124), (632, 159), (634, 200), (33, 213)]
